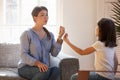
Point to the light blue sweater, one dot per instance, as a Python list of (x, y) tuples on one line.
[(33, 48)]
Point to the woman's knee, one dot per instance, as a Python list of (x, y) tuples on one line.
[(33, 73), (55, 70), (41, 76), (24, 74)]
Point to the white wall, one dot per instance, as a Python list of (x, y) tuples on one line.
[(1, 14), (79, 20)]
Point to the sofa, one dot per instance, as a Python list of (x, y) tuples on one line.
[(10, 55)]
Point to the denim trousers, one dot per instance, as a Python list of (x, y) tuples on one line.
[(33, 73), (92, 76)]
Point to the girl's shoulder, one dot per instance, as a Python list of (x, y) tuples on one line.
[(98, 44)]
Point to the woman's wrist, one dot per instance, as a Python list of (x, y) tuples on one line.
[(59, 37), (36, 63), (59, 40)]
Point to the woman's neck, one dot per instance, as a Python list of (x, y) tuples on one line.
[(40, 31), (38, 27)]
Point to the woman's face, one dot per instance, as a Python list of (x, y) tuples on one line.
[(42, 18), (97, 31)]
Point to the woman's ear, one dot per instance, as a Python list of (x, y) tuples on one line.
[(34, 18)]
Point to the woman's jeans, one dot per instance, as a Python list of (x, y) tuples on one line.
[(92, 76), (33, 73)]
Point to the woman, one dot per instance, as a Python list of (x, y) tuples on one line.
[(36, 45)]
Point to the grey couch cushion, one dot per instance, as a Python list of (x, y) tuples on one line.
[(9, 74), (9, 55)]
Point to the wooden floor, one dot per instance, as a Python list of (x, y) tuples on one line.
[(84, 74)]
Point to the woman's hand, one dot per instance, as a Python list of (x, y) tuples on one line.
[(42, 67), (61, 32)]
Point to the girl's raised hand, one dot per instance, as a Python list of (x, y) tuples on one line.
[(65, 38)]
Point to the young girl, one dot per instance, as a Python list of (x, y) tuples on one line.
[(105, 58)]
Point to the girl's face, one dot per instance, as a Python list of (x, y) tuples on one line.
[(42, 18), (97, 31)]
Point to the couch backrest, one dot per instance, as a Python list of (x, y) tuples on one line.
[(9, 55)]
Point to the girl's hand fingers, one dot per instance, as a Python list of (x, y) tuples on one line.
[(65, 36)]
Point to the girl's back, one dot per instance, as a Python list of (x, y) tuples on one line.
[(104, 59)]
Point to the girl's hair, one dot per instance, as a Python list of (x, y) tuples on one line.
[(35, 13), (107, 32)]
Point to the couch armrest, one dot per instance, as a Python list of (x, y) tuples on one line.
[(68, 67), (54, 61)]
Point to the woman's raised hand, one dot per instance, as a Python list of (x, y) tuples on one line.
[(61, 32)]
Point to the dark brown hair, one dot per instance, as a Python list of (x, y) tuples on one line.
[(37, 9), (35, 13), (107, 32)]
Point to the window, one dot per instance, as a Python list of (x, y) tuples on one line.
[(16, 18), (104, 8)]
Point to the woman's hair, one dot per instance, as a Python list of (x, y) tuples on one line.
[(35, 13), (37, 9), (107, 32)]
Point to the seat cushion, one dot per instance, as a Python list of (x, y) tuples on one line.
[(9, 55), (9, 74)]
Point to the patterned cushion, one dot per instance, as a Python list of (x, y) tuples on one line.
[(9, 55)]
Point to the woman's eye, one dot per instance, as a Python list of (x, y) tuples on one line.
[(44, 15)]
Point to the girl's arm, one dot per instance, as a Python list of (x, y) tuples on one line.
[(76, 49), (115, 62)]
